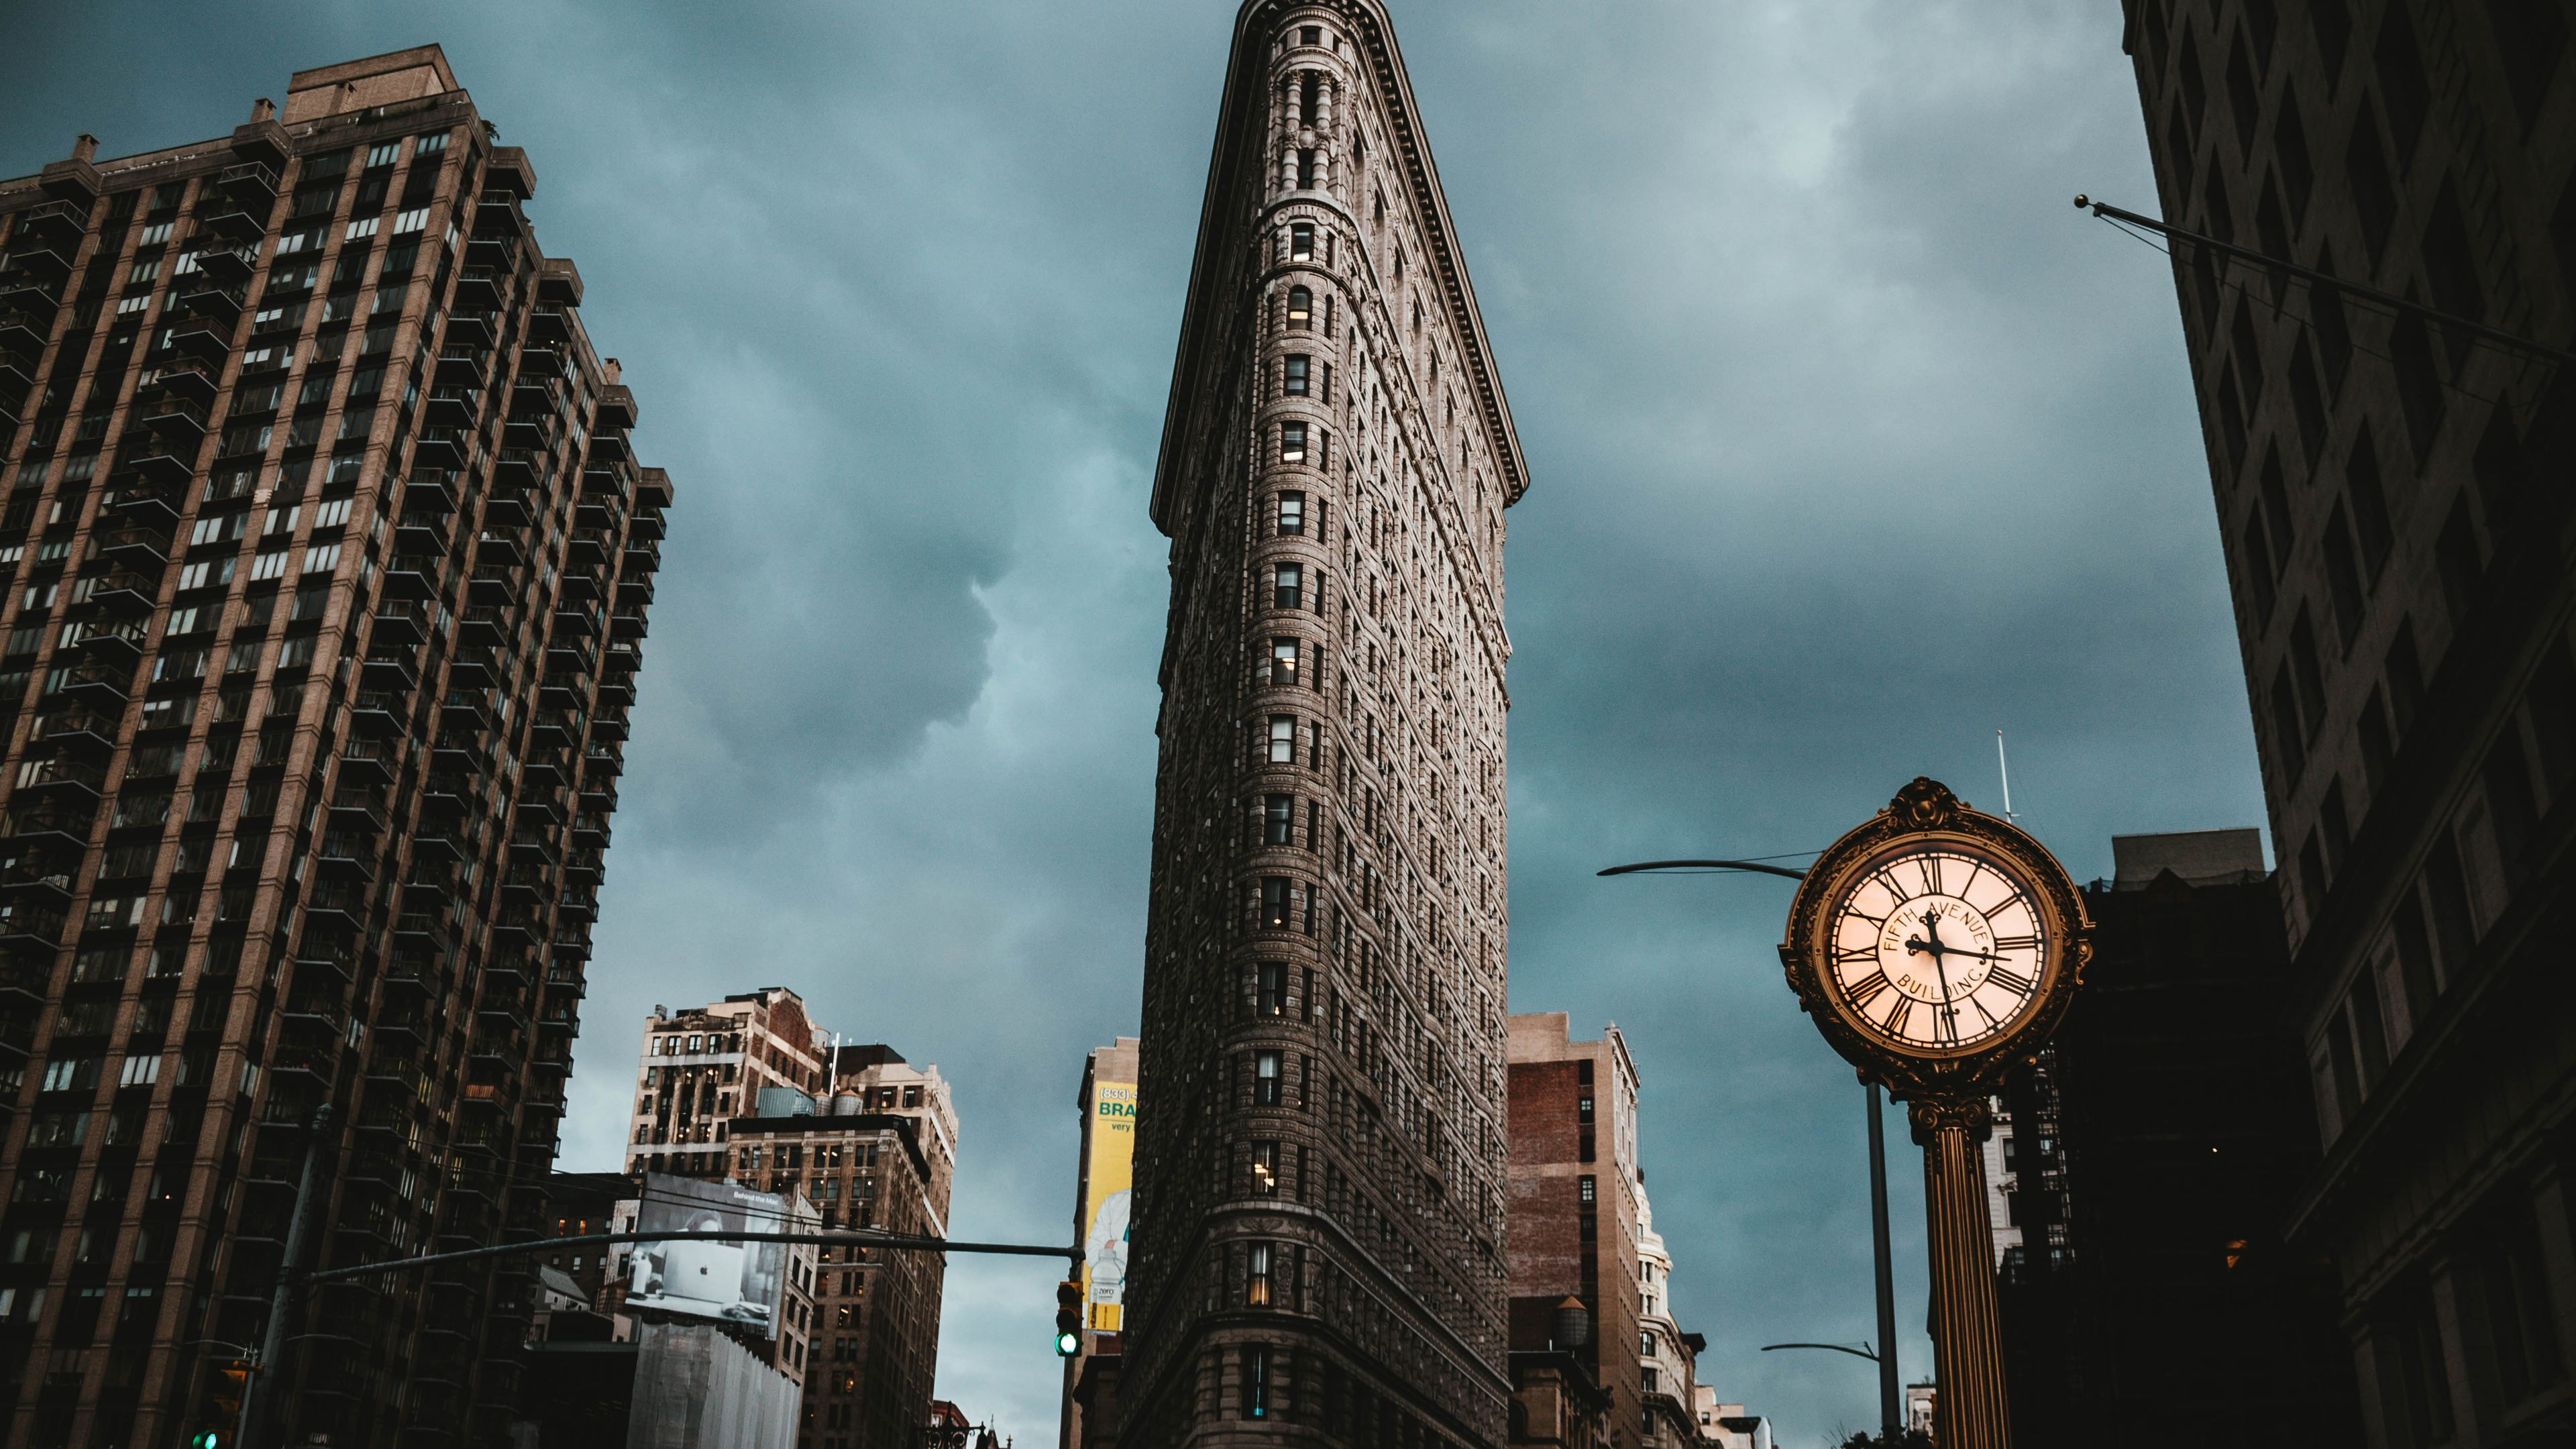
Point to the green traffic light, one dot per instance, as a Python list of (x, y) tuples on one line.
[(1067, 1342)]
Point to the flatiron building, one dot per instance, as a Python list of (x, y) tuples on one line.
[(326, 567), (1316, 1244)]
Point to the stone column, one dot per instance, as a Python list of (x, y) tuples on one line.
[(1971, 1411)]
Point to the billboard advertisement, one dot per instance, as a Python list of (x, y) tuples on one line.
[(731, 1282), (1111, 1139)]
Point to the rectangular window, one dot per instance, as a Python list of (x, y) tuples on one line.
[(1278, 813), (1283, 739), (1585, 1190), (1256, 1276), (1287, 586), (359, 229), (1270, 992), (1265, 1079), (1256, 1381), (1293, 383), (1306, 168), (1265, 1169), (430, 145), (1292, 513), (1274, 903), (1301, 241), (1292, 442), (1283, 661)]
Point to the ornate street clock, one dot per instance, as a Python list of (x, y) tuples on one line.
[(1937, 947)]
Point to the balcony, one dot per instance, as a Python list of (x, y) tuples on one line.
[(369, 761), (518, 468), (492, 586), (455, 405), (442, 447), (616, 408), (229, 217), (421, 535), (103, 690), (547, 362), (358, 815), (411, 577), (228, 266), (142, 550), (126, 593), (635, 593), (463, 366), (623, 658), (430, 490), (249, 182), (30, 294), (641, 558), (507, 509), (576, 623), (38, 257), (57, 222), (29, 926), (31, 981), (645, 528), (479, 289), (117, 643), (653, 489), (483, 625), (610, 447), (550, 325), (73, 731), (203, 296), (345, 852), (377, 715), (207, 338), (605, 764), (187, 377), (68, 776), (469, 329), (389, 673), (404, 623), (588, 550)]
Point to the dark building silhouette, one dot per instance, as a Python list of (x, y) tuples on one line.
[(2156, 1148), (1318, 1200), (2395, 499), (327, 562)]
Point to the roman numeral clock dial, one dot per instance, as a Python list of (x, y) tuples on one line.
[(1937, 947), (1935, 944)]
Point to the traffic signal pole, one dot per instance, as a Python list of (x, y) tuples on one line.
[(255, 1408)]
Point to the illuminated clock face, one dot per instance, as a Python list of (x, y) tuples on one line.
[(1937, 946)]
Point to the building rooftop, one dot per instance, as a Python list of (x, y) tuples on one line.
[(2195, 856)]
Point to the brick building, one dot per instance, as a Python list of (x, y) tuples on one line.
[(1318, 1200), (327, 565), (881, 1154), (2394, 497), (705, 1065), (1576, 1202)]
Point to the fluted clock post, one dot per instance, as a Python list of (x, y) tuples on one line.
[(1937, 947)]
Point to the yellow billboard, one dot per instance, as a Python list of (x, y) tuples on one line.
[(1111, 1143)]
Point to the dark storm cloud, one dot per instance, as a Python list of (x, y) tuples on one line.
[(1851, 443)]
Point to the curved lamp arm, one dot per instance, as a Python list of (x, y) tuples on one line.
[(1860, 1352), (1752, 865)]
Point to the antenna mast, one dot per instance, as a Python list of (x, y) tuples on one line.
[(2005, 770)]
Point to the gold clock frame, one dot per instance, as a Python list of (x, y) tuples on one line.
[(1925, 813)]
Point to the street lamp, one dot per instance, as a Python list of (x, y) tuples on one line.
[(1891, 1394)]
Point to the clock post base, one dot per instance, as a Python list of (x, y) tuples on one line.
[(1970, 1411)]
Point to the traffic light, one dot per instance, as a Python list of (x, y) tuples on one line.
[(207, 1439), (1068, 1318)]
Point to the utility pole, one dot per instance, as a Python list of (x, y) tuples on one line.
[(1891, 1394), (258, 1408)]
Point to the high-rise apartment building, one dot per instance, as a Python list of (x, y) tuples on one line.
[(1577, 1204), (704, 1065), (1318, 1202), (328, 561), (2392, 491)]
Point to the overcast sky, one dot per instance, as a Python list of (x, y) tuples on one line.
[(1850, 443)]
